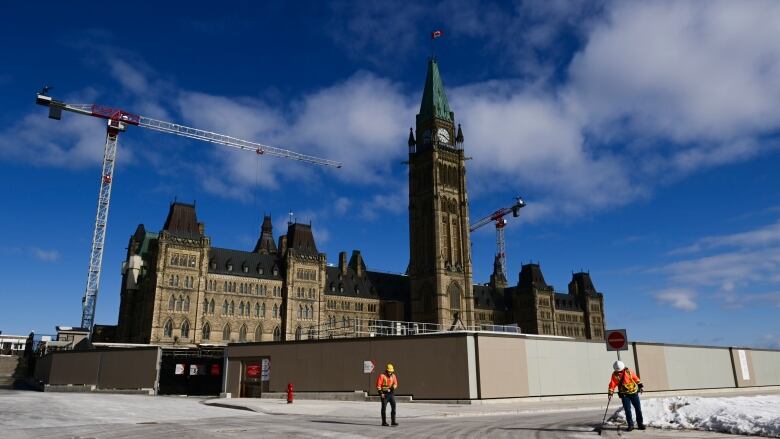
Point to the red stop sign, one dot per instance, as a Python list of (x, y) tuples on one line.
[(616, 340)]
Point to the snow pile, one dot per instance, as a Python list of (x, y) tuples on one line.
[(752, 415)]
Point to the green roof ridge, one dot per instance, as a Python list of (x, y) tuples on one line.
[(434, 100)]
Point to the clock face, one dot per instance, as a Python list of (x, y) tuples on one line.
[(443, 136)]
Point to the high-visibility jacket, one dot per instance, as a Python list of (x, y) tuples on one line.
[(626, 382), (386, 382)]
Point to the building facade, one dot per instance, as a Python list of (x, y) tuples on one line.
[(179, 289)]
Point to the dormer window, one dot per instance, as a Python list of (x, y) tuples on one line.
[(229, 267), (245, 268), (357, 290), (276, 271), (260, 270)]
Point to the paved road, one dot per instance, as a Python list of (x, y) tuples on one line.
[(46, 415)]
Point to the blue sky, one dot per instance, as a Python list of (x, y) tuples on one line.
[(644, 137)]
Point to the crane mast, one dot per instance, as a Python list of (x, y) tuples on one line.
[(117, 122), (500, 221)]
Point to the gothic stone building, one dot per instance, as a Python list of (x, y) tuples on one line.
[(179, 289)]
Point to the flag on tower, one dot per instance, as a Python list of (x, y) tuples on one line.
[(436, 34)]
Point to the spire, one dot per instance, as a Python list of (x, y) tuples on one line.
[(497, 279), (434, 100), (411, 142), (459, 137), (265, 244)]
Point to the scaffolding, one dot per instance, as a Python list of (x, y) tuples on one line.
[(357, 327)]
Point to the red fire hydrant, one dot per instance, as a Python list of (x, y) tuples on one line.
[(289, 393)]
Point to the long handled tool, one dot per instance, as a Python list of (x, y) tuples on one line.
[(605, 415)]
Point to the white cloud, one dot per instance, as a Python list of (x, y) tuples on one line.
[(680, 298), (659, 90), (45, 255), (686, 71), (735, 269), (360, 122), (73, 142), (394, 202), (761, 237), (342, 205), (529, 140)]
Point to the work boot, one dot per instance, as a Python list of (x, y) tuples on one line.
[(385, 424), (394, 424), (630, 427), (641, 426)]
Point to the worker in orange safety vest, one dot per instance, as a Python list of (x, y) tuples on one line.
[(629, 387), (386, 384)]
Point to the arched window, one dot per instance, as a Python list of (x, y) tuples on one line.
[(224, 308), (171, 303), (178, 303), (206, 331), (343, 322), (168, 329), (259, 333), (275, 311), (454, 293), (298, 333), (242, 334), (185, 330), (211, 307), (232, 308), (226, 332), (186, 304), (241, 308), (262, 309), (205, 306), (277, 333), (300, 311)]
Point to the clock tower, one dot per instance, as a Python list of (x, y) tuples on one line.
[(440, 251)]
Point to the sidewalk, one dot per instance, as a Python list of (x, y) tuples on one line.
[(411, 410), (420, 409)]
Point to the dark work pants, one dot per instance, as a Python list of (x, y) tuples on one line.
[(389, 397), (632, 399)]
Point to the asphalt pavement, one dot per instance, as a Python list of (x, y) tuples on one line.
[(71, 415)]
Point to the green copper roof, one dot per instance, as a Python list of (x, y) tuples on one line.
[(148, 237), (434, 101)]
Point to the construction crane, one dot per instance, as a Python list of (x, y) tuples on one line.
[(118, 120), (499, 218)]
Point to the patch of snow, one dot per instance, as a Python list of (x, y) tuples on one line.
[(751, 415)]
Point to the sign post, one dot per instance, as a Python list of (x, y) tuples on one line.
[(617, 340), (368, 368)]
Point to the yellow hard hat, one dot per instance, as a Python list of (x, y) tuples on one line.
[(390, 368)]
